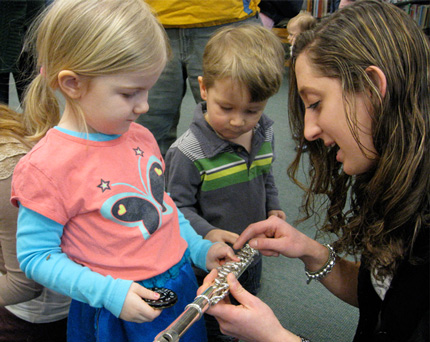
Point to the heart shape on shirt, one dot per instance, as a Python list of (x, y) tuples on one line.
[(122, 210)]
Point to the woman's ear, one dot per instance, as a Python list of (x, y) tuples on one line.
[(203, 92), (71, 84), (378, 78)]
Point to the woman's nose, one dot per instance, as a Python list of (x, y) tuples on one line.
[(312, 129)]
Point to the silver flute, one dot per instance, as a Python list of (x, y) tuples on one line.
[(212, 295)]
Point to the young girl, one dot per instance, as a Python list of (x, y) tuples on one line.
[(29, 312), (94, 221), (360, 96)]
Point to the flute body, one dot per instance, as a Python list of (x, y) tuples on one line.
[(212, 295)]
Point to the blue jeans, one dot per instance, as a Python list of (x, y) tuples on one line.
[(165, 98), (88, 324)]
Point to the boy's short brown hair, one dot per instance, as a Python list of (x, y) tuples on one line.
[(249, 54)]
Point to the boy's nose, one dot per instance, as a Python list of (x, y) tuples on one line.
[(237, 120)]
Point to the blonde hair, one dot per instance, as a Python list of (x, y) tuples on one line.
[(11, 125), (304, 21), (91, 38), (249, 54)]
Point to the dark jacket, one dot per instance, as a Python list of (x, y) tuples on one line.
[(403, 315), (15, 19)]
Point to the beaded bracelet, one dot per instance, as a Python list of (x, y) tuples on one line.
[(304, 339), (326, 269)]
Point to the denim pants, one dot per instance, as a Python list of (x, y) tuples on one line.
[(165, 98), (88, 324)]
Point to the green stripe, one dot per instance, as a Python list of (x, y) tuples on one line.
[(237, 173)]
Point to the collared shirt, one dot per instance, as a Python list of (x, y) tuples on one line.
[(217, 183)]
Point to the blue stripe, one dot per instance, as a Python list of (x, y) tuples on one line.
[(89, 136), (246, 6)]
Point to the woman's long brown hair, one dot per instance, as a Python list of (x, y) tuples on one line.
[(378, 214)]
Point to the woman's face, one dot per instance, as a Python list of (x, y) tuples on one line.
[(325, 118)]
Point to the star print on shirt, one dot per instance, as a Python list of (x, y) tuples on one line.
[(104, 185), (138, 151)]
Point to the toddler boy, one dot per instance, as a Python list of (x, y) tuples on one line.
[(219, 172)]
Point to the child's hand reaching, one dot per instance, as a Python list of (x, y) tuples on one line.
[(277, 213), (219, 254), (221, 235), (135, 309)]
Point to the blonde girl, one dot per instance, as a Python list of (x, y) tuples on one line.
[(94, 221)]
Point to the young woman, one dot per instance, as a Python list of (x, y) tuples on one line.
[(360, 99)]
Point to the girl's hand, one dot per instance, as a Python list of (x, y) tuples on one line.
[(221, 235), (135, 309), (252, 320), (219, 254)]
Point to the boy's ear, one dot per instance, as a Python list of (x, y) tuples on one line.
[(71, 84), (378, 77), (203, 92)]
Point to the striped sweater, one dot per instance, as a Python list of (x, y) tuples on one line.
[(217, 183)]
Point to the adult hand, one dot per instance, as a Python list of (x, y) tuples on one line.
[(252, 320), (274, 236), (135, 309), (219, 254)]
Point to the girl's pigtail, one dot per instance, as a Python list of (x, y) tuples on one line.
[(41, 108)]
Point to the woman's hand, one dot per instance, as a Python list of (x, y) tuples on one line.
[(274, 236), (135, 309), (252, 320)]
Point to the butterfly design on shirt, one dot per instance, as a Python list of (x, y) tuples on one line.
[(144, 207)]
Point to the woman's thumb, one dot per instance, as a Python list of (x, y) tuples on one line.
[(236, 289)]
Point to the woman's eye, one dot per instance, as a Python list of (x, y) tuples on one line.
[(314, 105)]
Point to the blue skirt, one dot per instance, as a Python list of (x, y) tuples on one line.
[(88, 324)]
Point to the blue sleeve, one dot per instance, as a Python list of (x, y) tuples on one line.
[(197, 246), (41, 258)]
